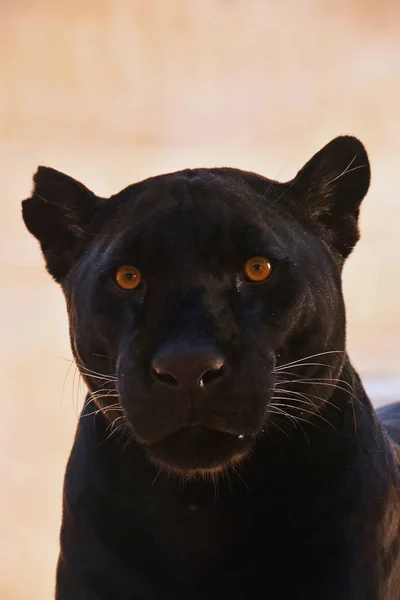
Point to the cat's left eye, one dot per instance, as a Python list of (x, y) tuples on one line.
[(128, 277), (257, 269)]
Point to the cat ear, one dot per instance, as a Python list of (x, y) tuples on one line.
[(334, 182), (59, 214)]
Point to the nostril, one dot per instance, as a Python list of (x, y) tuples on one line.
[(163, 375), (167, 379), (211, 376)]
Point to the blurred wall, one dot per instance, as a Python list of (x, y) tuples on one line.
[(114, 91)]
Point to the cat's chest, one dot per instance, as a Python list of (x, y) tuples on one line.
[(193, 541)]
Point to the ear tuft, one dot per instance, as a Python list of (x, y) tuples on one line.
[(58, 214)]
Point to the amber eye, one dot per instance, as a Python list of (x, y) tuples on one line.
[(128, 277), (257, 269)]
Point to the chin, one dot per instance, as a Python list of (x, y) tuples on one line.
[(197, 451)]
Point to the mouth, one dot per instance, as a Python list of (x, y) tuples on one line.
[(197, 449)]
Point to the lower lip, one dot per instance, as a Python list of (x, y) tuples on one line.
[(197, 447)]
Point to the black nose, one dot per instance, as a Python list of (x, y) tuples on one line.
[(188, 371)]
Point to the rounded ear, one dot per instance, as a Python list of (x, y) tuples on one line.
[(59, 214), (333, 183)]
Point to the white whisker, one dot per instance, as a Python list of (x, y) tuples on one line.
[(90, 372), (312, 364), (306, 397), (323, 381), (311, 412), (295, 420), (347, 170), (294, 362), (114, 407)]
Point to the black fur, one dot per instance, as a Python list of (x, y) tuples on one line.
[(271, 479)]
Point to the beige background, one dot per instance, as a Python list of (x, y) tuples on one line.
[(111, 91)]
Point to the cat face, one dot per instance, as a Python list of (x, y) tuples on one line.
[(187, 294)]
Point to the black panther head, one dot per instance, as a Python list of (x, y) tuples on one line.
[(189, 294)]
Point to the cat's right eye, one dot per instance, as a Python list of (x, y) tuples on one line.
[(128, 277)]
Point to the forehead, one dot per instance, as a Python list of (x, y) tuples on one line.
[(210, 219), (191, 208)]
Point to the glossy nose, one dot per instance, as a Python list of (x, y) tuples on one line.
[(189, 371)]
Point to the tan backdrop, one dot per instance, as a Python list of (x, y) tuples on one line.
[(111, 91)]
